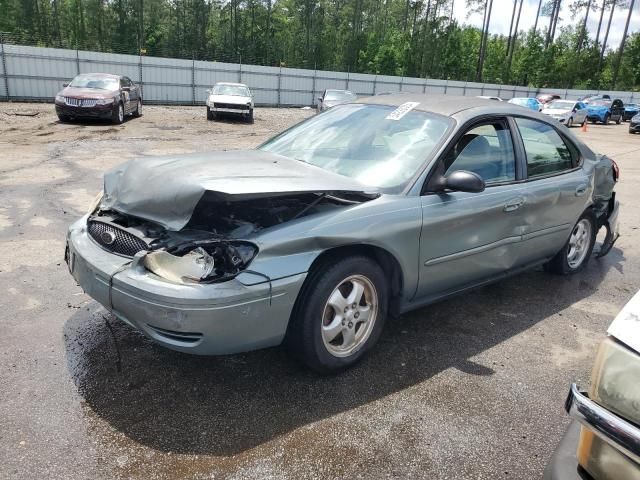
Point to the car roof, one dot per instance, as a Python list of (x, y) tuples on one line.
[(446, 105), (231, 84), (99, 74)]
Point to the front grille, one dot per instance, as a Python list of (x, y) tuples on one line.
[(115, 239), (236, 106), (79, 102)]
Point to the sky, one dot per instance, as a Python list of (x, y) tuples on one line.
[(502, 9)]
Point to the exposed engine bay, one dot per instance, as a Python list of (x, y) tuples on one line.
[(211, 247)]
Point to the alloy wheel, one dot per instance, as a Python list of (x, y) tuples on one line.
[(579, 242), (120, 113), (349, 315)]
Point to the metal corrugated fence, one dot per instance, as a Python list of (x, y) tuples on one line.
[(36, 74)]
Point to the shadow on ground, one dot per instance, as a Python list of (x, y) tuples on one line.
[(179, 403)]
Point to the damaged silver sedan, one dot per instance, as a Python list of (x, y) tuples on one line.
[(366, 211)]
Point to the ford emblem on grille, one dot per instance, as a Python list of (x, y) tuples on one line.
[(108, 237)]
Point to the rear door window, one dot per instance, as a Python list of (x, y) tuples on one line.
[(547, 152)]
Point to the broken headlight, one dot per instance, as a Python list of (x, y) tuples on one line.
[(201, 262)]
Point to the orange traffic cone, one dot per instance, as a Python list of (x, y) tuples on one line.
[(584, 127)]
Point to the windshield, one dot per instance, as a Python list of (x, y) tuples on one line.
[(339, 95), (561, 105), (631, 105), (233, 90), (601, 103), (95, 81), (364, 142)]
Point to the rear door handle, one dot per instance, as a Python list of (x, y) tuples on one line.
[(513, 204), (581, 190)]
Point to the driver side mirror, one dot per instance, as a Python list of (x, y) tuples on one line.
[(463, 181), (320, 99), (65, 84)]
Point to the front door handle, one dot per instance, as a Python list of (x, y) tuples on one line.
[(581, 190), (513, 204)]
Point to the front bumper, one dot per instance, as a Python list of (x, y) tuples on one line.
[(564, 462), (98, 111), (239, 110), (634, 127), (204, 319), (615, 431)]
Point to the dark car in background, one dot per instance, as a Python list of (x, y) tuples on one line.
[(99, 95), (634, 126), (630, 111), (331, 98), (604, 111)]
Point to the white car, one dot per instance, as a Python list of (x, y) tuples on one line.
[(568, 112), (230, 98)]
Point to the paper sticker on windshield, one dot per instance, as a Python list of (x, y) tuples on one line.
[(402, 110)]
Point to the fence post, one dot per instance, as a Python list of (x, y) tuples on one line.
[(279, 83), (313, 86), (240, 71), (401, 82), (446, 85), (140, 74), (464, 90), (424, 86), (4, 67), (193, 80), (375, 83), (346, 86), (77, 60)]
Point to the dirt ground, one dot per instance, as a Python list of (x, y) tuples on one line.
[(472, 387)]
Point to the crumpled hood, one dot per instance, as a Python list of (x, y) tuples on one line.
[(166, 190), (626, 326)]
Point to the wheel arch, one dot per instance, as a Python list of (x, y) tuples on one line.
[(387, 261)]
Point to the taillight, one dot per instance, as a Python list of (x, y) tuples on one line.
[(616, 171)]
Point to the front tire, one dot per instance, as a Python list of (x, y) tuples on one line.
[(339, 314), (63, 118), (618, 120), (607, 117), (570, 122), (210, 114), (250, 118), (138, 112), (576, 252), (117, 116)]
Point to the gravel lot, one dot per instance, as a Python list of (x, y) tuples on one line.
[(472, 387)]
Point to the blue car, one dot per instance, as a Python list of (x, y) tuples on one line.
[(531, 103), (630, 111), (604, 111)]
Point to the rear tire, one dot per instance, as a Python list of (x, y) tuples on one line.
[(339, 314), (618, 120), (577, 250), (607, 117)]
